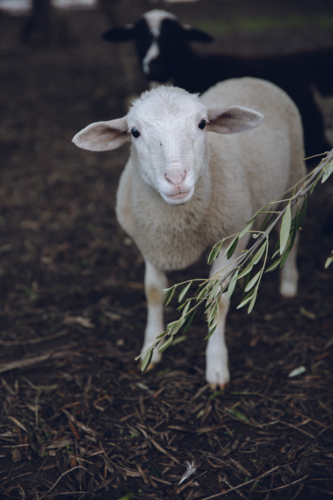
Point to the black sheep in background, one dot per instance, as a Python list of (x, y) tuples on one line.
[(165, 56)]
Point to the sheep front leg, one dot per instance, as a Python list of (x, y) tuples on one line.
[(155, 282)]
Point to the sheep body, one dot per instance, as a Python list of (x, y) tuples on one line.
[(246, 171), (183, 189)]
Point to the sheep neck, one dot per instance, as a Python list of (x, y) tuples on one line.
[(170, 237)]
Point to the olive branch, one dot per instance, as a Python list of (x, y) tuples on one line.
[(225, 280)]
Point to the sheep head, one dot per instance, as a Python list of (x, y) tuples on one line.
[(167, 128)]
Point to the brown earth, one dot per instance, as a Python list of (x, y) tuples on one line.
[(78, 420)]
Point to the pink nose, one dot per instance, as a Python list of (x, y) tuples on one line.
[(175, 178)]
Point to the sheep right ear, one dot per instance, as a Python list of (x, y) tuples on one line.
[(232, 120), (194, 35), (119, 34), (103, 136)]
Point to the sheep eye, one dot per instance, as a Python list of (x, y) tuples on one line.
[(202, 124), (135, 133)]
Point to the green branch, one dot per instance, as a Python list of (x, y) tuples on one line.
[(225, 280)]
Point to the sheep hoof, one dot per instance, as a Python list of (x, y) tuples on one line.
[(150, 367), (221, 387)]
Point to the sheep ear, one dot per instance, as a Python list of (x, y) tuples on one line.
[(232, 120), (119, 34), (194, 35), (103, 136)]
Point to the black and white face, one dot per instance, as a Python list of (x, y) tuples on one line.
[(158, 36)]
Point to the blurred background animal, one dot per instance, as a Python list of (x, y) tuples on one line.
[(164, 53)]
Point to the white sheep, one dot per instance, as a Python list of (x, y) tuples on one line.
[(185, 188)]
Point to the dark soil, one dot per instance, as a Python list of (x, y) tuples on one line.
[(78, 420)]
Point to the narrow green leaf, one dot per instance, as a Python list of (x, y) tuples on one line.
[(303, 212), (232, 284), (204, 291), (215, 394), (171, 325), (253, 301), (273, 266), (328, 171), (253, 281), (200, 288), (275, 253), (184, 291), (146, 360), (212, 313), (237, 414), (231, 248), (329, 260), (177, 326), (248, 226), (245, 301), (210, 333), (178, 340), (189, 321), (165, 345), (260, 253), (246, 280), (263, 225), (169, 294), (186, 308), (314, 184), (285, 229), (179, 308), (246, 270), (160, 335), (214, 290), (127, 497), (215, 251), (294, 226), (285, 255)]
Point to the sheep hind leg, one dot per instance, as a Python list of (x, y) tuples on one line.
[(155, 282)]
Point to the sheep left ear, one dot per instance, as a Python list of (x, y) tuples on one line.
[(194, 35), (119, 34), (103, 136), (232, 120)]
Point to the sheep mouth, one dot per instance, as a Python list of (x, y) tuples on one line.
[(179, 196)]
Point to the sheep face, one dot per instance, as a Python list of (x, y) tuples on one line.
[(167, 128), (169, 145)]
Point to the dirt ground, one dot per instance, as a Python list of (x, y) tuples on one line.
[(78, 420)]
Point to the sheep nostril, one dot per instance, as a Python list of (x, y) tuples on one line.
[(175, 178)]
